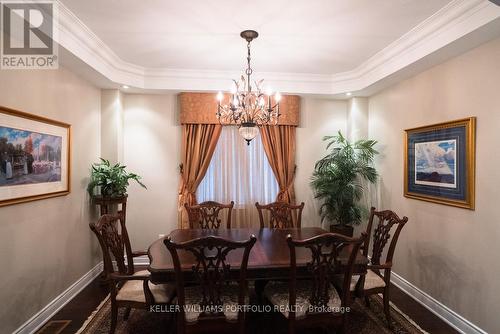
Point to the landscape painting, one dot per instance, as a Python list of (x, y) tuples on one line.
[(439, 163), (436, 163), (34, 157), (29, 157)]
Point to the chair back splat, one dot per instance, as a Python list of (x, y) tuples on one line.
[(281, 215), (115, 243), (330, 256), (324, 265), (206, 215), (385, 220), (213, 274)]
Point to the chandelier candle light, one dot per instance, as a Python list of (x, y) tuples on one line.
[(248, 108)]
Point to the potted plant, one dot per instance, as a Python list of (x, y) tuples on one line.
[(337, 181), (111, 180)]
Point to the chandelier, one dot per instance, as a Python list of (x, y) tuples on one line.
[(248, 107)]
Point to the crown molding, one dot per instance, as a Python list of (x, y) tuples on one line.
[(455, 20)]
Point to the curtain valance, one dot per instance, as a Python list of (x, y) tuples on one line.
[(200, 108)]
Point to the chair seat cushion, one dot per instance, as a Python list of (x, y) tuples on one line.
[(229, 296), (278, 294), (372, 281), (133, 291)]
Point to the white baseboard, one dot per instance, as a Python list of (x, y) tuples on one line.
[(454, 319), (39, 319), (141, 260)]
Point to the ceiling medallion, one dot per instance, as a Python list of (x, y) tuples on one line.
[(248, 107)]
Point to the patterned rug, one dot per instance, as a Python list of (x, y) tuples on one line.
[(362, 320)]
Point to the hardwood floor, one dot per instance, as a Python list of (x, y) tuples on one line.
[(80, 308), (427, 320)]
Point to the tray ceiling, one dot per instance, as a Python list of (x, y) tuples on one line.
[(322, 46), (300, 36)]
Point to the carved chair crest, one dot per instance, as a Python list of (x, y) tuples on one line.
[(206, 215), (281, 214)]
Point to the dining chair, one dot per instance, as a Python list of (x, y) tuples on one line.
[(215, 303), (314, 301), (127, 287), (206, 215), (281, 214), (375, 282)]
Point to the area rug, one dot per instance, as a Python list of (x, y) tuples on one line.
[(362, 320)]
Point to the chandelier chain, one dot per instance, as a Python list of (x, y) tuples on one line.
[(249, 68)]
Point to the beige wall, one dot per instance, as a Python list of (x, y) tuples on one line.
[(319, 118), (152, 149), (46, 245), (450, 253), (357, 118), (151, 144), (112, 125)]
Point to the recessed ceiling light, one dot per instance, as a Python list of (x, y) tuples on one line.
[(125, 87), (348, 93)]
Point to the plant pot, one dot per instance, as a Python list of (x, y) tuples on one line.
[(346, 230), (109, 198), (110, 204)]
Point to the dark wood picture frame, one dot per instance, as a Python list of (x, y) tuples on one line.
[(461, 191), (67, 179)]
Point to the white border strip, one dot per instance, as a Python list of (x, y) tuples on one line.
[(40, 318), (452, 318), (141, 261)]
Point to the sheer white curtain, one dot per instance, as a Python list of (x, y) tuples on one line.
[(239, 173)]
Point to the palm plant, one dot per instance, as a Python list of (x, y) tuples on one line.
[(112, 180), (337, 178)]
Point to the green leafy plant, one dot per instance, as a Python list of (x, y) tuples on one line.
[(112, 180), (337, 178)]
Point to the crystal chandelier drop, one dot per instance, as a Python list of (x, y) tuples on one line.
[(248, 107)]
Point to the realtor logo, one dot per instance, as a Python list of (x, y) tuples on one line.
[(28, 35)]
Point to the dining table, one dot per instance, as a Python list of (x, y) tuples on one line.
[(269, 258)]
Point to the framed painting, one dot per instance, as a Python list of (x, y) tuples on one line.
[(440, 163), (34, 157)]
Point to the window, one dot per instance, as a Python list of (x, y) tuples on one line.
[(239, 173)]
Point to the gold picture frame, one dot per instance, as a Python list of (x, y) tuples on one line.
[(439, 163), (35, 157)]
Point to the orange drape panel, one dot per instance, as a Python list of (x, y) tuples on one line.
[(198, 146), (279, 144)]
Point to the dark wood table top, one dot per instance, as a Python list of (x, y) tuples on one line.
[(269, 258)]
